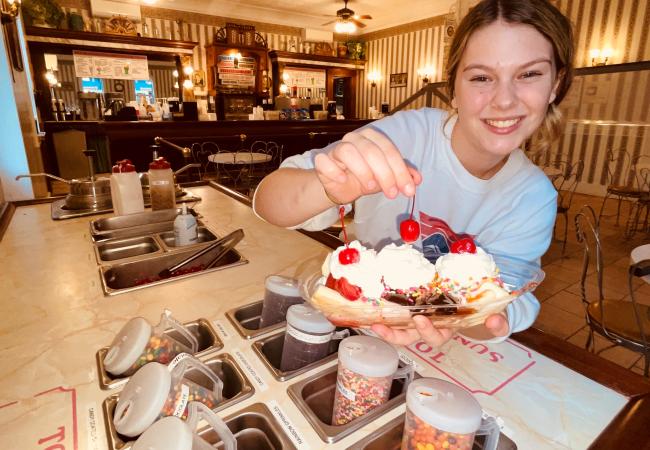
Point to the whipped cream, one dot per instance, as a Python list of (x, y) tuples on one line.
[(364, 273), (466, 269), (403, 267)]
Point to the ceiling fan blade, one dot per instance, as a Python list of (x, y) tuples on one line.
[(358, 23), (365, 17), (330, 22)]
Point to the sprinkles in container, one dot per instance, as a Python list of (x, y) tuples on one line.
[(139, 343), (367, 367)]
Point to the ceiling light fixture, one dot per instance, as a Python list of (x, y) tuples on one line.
[(345, 26)]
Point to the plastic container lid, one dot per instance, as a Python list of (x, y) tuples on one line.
[(123, 165), (160, 164), (169, 433), (306, 318), (369, 356), (288, 287), (444, 405), (142, 399), (127, 346)]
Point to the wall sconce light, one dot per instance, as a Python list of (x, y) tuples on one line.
[(188, 70), (176, 85), (187, 84), (12, 11), (51, 78), (284, 89), (175, 73), (374, 77), (599, 57), (426, 73)]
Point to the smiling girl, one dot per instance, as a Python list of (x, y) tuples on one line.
[(510, 65)]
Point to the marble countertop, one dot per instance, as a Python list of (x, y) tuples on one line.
[(56, 318)]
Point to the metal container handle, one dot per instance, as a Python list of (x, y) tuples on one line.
[(32, 175), (188, 166), (197, 411)]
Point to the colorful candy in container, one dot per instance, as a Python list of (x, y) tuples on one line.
[(156, 391), (138, 343), (442, 415), (279, 294), (171, 433), (307, 338), (367, 367)]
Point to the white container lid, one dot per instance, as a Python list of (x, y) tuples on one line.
[(306, 318), (142, 399), (127, 346), (444, 405), (288, 287), (368, 356), (169, 433)]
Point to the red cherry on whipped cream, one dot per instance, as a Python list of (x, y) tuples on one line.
[(409, 229), (343, 287), (347, 255), (464, 245)]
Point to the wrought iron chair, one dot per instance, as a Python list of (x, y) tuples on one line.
[(641, 204), (566, 187), (623, 323), (621, 180)]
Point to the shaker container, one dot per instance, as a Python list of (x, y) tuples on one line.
[(126, 190), (138, 343), (156, 391), (367, 367), (161, 184), (171, 433), (307, 338), (279, 294), (441, 415)]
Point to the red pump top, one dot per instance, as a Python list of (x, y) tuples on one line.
[(160, 164), (123, 165)]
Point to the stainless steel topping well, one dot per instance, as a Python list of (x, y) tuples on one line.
[(236, 388), (314, 397), (111, 250), (205, 236), (202, 329), (246, 319), (269, 349)]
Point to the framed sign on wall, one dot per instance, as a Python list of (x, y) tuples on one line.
[(398, 79)]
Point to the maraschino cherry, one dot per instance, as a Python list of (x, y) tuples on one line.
[(409, 229), (464, 245), (347, 255)]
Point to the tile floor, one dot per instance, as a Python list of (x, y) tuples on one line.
[(562, 312)]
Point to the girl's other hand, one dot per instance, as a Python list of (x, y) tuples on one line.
[(365, 162), (424, 330)]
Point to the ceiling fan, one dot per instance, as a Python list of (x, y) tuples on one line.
[(345, 14)]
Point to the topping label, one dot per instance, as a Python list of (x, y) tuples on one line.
[(345, 392), (306, 337)]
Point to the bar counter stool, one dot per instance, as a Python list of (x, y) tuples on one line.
[(623, 323)]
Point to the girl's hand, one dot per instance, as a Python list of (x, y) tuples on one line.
[(365, 162), (496, 325)]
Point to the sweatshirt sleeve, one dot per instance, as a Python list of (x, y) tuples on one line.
[(527, 237)]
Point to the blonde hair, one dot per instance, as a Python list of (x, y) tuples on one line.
[(546, 19)]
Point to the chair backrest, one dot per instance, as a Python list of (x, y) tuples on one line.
[(202, 151), (620, 168), (567, 182), (641, 169), (588, 234)]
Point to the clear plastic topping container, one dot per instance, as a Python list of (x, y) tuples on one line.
[(307, 337), (138, 343), (367, 367), (279, 294), (156, 391), (161, 185), (442, 415), (171, 433)]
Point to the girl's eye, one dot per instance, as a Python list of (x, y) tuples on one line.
[(531, 74), (480, 78)]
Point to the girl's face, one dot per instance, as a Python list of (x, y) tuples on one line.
[(505, 82)]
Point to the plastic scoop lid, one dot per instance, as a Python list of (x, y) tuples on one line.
[(306, 318), (142, 399), (169, 433), (123, 165), (368, 356), (160, 164), (289, 287), (127, 346), (444, 405)]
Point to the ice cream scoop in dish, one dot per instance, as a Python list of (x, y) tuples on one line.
[(396, 283)]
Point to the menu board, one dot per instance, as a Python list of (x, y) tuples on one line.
[(110, 65), (236, 71), (305, 78)]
